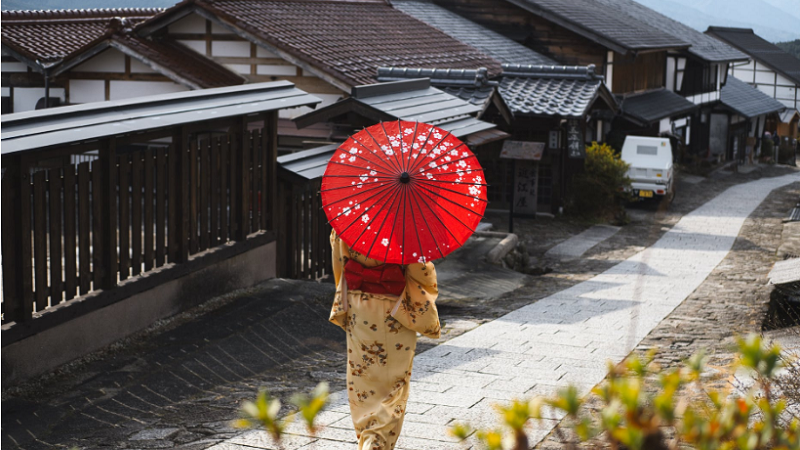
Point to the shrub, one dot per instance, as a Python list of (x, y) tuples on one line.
[(599, 192), (635, 419)]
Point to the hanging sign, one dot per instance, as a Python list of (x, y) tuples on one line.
[(522, 150), (575, 147)]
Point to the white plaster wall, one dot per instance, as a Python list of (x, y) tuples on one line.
[(111, 60), (130, 89), (768, 89), (785, 93), (765, 77), (288, 71), (230, 48), (219, 29), (671, 74), (239, 68), (664, 125), (14, 67), (745, 75), (25, 98), (87, 91), (198, 46), (5, 92), (140, 67), (189, 24)]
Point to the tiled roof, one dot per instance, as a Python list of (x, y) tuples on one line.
[(566, 91), (180, 63), (747, 100), (413, 100), (765, 52), (347, 40), (50, 36), (470, 85), (493, 44), (704, 48), (652, 106), (607, 26)]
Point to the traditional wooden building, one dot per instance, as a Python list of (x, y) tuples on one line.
[(639, 51)]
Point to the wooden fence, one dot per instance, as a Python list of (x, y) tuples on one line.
[(81, 227), (304, 249)]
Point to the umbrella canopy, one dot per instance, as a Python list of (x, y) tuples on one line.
[(404, 192)]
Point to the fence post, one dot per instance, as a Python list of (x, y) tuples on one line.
[(242, 205), (271, 152), (108, 164), (18, 263), (181, 234)]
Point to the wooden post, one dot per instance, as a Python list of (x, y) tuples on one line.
[(18, 264), (242, 181), (180, 141), (108, 164), (271, 150)]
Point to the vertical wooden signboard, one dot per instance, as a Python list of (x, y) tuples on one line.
[(524, 186)]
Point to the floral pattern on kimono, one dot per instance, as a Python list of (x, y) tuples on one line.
[(381, 340)]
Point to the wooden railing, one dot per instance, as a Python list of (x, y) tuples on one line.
[(81, 227)]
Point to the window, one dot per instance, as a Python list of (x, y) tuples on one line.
[(698, 78)]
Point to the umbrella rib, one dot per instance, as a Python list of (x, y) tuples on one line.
[(388, 212), (391, 233), (427, 226), (445, 153), (355, 167), (411, 149), (416, 231), (365, 211), (442, 196), (454, 216), (419, 154), (423, 169), (400, 133), (371, 196), (418, 162), (355, 220), (394, 153), (350, 186), (403, 247), (439, 219), (450, 190), (451, 182), (357, 193), (380, 158), (357, 176)]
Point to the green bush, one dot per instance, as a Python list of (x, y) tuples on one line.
[(633, 418), (600, 191)]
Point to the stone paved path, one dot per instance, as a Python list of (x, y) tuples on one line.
[(576, 246), (564, 338)]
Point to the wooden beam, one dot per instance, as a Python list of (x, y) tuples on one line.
[(252, 60), (202, 37)]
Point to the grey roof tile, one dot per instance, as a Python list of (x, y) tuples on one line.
[(493, 44), (607, 25), (708, 49), (651, 106), (566, 91), (747, 100), (766, 52)]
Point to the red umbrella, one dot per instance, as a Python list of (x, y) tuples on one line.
[(404, 192)]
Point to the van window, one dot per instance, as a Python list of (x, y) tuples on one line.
[(646, 150)]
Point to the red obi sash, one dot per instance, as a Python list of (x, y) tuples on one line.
[(383, 279)]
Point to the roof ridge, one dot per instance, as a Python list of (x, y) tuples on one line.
[(731, 29), (451, 77), (66, 14), (551, 71)]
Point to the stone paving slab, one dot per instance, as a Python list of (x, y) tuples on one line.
[(577, 245), (617, 308)]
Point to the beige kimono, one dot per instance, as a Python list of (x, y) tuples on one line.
[(381, 339)]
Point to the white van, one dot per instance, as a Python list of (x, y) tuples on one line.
[(651, 166)]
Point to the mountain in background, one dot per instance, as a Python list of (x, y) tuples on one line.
[(774, 20), (792, 47)]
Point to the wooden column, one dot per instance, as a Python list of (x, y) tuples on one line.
[(180, 141)]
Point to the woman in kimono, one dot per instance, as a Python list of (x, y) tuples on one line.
[(381, 307)]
